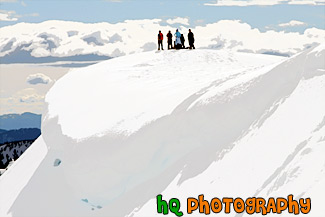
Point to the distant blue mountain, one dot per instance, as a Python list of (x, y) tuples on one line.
[(19, 135), (18, 121)]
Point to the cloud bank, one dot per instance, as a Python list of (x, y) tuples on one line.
[(58, 39)]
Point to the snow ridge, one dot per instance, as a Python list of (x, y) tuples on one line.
[(180, 124)]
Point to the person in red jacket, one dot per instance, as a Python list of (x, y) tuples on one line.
[(160, 40)]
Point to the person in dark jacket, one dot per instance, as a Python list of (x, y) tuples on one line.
[(170, 40), (183, 41), (191, 39), (160, 40)]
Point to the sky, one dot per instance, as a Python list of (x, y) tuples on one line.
[(287, 15)]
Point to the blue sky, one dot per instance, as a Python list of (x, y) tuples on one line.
[(257, 14)]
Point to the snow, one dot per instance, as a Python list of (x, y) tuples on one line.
[(318, 49), (250, 168), (24, 167), (176, 123), (132, 77)]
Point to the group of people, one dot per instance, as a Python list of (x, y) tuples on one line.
[(179, 42)]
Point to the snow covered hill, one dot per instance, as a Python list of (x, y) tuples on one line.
[(176, 123), (53, 40)]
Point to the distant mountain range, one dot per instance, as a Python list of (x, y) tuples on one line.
[(19, 135), (54, 40), (18, 121)]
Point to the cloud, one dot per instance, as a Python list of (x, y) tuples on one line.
[(27, 95), (38, 78), (115, 38), (8, 0), (243, 3), (23, 3), (31, 98), (8, 16), (178, 20), (292, 23), (12, 16), (24, 100)]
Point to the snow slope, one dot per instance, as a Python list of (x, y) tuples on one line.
[(180, 123), (63, 40)]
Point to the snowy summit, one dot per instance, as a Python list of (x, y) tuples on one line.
[(176, 123)]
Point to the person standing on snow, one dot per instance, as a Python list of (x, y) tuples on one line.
[(178, 39), (183, 41), (191, 39), (170, 40), (160, 40)]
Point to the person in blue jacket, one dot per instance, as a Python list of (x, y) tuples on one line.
[(178, 43)]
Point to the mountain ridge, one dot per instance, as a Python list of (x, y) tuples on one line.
[(18, 121), (190, 122), (19, 135)]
